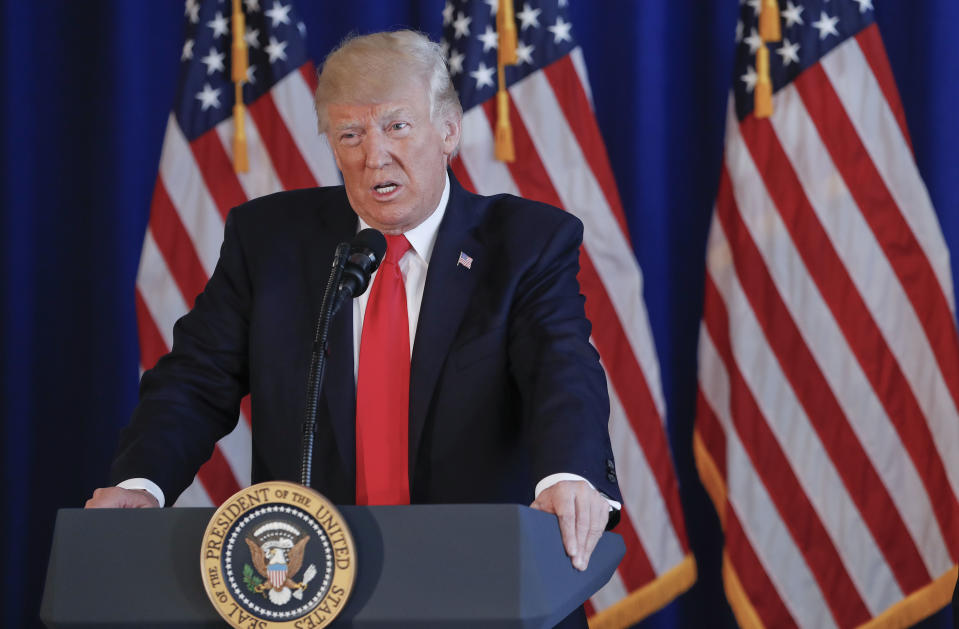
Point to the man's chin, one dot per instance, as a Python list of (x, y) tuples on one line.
[(386, 217)]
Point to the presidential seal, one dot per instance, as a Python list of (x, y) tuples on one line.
[(278, 555)]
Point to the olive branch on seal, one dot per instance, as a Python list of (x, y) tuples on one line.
[(250, 579)]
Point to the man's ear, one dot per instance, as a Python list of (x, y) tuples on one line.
[(451, 129)]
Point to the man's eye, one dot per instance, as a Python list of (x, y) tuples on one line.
[(399, 126)]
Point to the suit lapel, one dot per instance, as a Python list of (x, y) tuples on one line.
[(339, 388), (449, 287)]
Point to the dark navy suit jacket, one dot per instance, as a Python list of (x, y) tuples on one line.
[(505, 388)]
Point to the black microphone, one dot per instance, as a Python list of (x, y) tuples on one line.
[(353, 264), (366, 252)]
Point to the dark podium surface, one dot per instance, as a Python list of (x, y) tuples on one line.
[(425, 566)]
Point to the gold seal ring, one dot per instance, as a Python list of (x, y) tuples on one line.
[(275, 555)]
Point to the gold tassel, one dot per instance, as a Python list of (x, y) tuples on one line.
[(505, 55), (241, 163), (503, 143), (764, 87), (506, 29), (504, 150), (769, 21), (239, 44)]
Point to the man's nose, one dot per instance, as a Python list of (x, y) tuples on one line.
[(377, 151)]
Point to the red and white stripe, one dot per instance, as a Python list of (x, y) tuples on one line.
[(277, 576), (829, 359), (561, 160), (195, 190)]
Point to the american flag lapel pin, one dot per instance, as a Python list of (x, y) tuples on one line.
[(465, 260)]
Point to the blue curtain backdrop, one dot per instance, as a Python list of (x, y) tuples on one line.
[(87, 87)]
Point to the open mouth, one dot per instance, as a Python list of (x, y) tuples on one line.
[(385, 189)]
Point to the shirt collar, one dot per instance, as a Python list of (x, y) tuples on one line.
[(422, 238)]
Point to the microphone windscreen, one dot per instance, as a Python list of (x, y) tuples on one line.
[(366, 252), (371, 240)]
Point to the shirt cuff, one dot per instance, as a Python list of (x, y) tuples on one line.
[(552, 479), (145, 484)]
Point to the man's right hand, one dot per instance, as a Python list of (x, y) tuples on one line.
[(119, 498)]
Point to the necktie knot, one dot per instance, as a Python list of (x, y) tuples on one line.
[(396, 246)]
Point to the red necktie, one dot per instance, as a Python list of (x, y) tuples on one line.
[(383, 387)]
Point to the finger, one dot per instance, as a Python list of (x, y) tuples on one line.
[(583, 523), (96, 501), (118, 498), (566, 519), (599, 516), (566, 514)]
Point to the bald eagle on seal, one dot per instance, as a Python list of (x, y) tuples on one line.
[(276, 565)]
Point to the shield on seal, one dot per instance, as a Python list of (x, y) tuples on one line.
[(277, 572)]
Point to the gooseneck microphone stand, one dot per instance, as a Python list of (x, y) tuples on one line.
[(318, 361)]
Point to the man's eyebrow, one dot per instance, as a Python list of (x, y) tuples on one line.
[(349, 124), (398, 112), (403, 112)]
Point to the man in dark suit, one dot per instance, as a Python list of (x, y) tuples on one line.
[(501, 397)]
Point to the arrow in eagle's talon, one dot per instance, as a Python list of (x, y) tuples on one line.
[(307, 577)]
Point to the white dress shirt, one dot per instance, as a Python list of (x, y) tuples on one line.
[(413, 265)]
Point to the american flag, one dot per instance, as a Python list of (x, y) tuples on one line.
[(561, 160), (827, 431), (197, 184)]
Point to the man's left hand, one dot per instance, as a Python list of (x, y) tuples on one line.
[(583, 513)]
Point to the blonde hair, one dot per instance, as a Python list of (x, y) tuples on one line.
[(362, 69)]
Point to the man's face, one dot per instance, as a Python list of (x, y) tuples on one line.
[(392, 156)]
